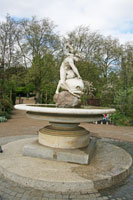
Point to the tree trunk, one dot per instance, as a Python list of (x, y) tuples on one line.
[(38, 95)]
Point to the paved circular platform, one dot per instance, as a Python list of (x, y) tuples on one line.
[(109, 166)]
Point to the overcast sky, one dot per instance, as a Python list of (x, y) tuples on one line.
[(108, 17)]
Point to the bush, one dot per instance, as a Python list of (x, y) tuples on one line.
[(124, 102), (5, 107), (6, 115), (120, 119), (124, 106)]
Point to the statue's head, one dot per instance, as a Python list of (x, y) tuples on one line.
[(69, 47), (78, 56)]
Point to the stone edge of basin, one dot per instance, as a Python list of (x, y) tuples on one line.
[(54, 110)]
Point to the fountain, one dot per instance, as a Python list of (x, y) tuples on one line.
[(64, 158)]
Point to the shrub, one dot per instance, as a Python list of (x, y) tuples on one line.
[(124, 102), (124, 106), (5, 107), (120, 119)]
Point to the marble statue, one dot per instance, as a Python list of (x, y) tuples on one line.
[(70, 79)]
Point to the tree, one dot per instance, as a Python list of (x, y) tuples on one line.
[(37, 37), (42, 74), (36, 41), (126, 73), (101, 56), (8, 43), (85, 41), (108, 56), (9, 54)]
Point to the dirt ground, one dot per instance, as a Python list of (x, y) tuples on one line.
[(20, 124)]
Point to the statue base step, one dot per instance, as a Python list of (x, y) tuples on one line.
[(80, 156), (109, 166)]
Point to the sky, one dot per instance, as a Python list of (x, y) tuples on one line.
[(107, 17)]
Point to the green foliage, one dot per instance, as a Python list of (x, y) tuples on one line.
[(43, 76), (107, 96), (124, 101), (6, 107), (29, 87), (120, 119), (48, 91), (89, 72), (3, 119), (124, 105), (24, 90), (14, 81)]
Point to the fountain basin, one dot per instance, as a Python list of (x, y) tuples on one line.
[(64, 131), (64, 115)]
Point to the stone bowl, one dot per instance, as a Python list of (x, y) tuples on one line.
[(63, 131), (64, 115)]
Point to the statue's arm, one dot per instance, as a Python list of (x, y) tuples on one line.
[(74, 68)]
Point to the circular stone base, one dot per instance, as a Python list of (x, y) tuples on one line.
[(64, 137), (109, 166)]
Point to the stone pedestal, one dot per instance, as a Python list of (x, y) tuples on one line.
[(80, 156), (64, 136)]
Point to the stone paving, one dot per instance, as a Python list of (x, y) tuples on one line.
[(20, 125), (125, 190), (10, 190)]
